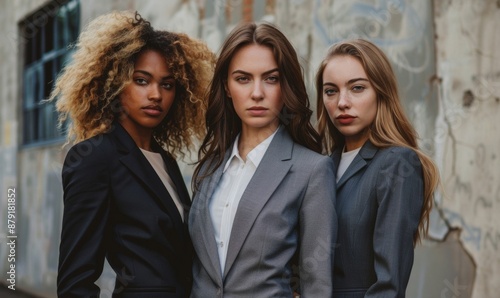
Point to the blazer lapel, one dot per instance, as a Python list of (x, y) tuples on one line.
[(139, 166), (205, 226), (272, 169), (360, 161), (176, 176)]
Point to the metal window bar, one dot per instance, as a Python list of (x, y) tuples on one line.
[(47, 51)]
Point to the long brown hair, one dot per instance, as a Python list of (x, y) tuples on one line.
[(391, 126), (222, 122)]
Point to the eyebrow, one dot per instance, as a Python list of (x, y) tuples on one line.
[(249, 74), (150, 75), (348, 82)]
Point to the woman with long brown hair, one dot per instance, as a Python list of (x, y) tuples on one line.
[(263, 219), (385, 184)]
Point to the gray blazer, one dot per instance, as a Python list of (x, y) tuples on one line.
[(285, 221), (379, 201)]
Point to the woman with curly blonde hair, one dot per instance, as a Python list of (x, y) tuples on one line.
[(134, 98), (385, 183)]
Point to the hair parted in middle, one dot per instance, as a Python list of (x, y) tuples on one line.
[(87, 91), (223, 124), (391, 126)]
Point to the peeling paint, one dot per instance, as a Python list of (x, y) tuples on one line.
[(442, 269), (468, 98), (468, 151)]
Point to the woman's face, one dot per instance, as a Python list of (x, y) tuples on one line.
[(253, 85), (147, 99), (349, 98)]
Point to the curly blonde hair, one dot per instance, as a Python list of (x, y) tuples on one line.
[(87, 90)]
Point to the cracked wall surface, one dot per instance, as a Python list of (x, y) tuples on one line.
[(446, 57), (442, 269), (467, 138)]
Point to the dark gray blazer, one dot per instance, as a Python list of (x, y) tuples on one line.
[(379, 201), (116, 207), (287, 207)]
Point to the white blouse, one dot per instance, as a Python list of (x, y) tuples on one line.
[(158, 165), (224, 202)]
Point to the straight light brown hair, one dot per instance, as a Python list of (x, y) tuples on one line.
[(391, 126)]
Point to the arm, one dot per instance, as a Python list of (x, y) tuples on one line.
[(84, 228), (318, 232), (400, 198)]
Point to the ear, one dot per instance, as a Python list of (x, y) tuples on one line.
[(228, 94)]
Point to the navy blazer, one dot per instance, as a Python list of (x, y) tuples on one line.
[(116, 206), (379, 202)]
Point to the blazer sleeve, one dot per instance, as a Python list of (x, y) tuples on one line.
[(400, 197), (84, 229), (318, 231)]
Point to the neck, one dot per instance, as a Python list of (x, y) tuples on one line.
[(354, 142), (250, 138), (142, 136), (352, 146), (144, 144)]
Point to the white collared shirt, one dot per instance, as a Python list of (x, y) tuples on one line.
[(224, 203), (158, 165)]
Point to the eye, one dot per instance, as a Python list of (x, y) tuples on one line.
[(140, 81), (242, 79), (273, 79), (168, 85), (358, 88), (330, 91)]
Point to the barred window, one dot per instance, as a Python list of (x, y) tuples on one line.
[(46, 36)]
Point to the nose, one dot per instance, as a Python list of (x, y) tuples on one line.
[(154, 92), (257, 92), (344, 101)]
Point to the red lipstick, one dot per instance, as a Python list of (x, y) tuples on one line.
[(345, 119)]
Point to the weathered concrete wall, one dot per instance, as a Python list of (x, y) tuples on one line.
[(467, 138), (10, 176), (446, 57)]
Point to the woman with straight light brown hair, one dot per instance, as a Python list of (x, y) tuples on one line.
[(263, 198), (385, 184)]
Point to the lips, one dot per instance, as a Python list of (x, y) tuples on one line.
[(257, 111), (345, 119), (153, 107), (153, 110)]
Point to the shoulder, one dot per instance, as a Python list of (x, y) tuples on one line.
[(93, 152), (400, 150), (208, 166), (397, 163), (93, 147), (398, 154), (308, 158)]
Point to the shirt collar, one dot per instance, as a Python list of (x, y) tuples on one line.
[(255, 156)]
